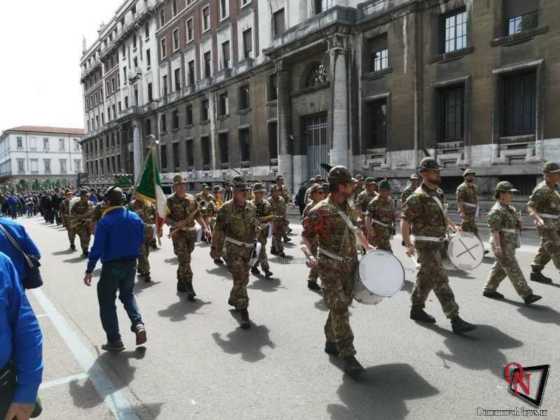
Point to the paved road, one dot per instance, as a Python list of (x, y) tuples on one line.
[(198, 364)]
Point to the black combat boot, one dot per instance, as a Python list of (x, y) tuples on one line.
[(72, 247), (532, 298), (268, 274), (352, 367), (181, 287), (540, 277), (147, 278), (312, 285), (245, 321), (255, 271), (459, 326), (190, 292), (492, 294), (218, 261), (330, 348), (417, 313)]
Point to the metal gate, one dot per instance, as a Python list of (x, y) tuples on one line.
[(316, 143)]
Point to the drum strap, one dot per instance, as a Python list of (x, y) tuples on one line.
[(380, 223), (332, 255), (470, 204), (239, 243), (347, 221), (427, 238), (549, 216), (509, 231)]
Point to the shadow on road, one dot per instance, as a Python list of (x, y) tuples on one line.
[(142, 285), (65, 252), (247, 343), (76, 260), (540, 313), (408, 286), (266, 285), (320, 304), (172, 261), (381, 393), (178, 311)]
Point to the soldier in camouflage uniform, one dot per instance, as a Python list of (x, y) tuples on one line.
[(544, 207), (287, 200), (183, 210), (317, 193), (332, 224), (81, 221), (467, 202), (425, 216), (67, 219), (278, 225), (358, 187), (237, 226), (147, 213), (381, 218), (265, 216), (365, 197), (317, 179), (206, 202), (505, 224), (411, 187)]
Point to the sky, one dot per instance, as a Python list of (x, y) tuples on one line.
[(40, 51)]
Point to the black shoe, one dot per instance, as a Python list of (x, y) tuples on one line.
[(273, 251), (532, 298), (72, 247), (268, 274), (282, 255), (540, 278), (255, 271), (190, 292), (352, 367), (140, 332), (147, 278), (218, 261), (486, 252), (113, 346), (459, 326), (85, 254), (312, 285), (286, 240), (181, 287), (492, 294), (330, 348), (245, 321), (420, 315), (231, 303)]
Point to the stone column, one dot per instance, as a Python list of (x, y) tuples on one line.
[(339, 103), (137, 149), (285, 157)]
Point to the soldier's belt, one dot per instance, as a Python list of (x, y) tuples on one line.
[(333, 256), (514, 231), (380, 223), (549, 216), (470, 205), (420, 238), (239, 243)]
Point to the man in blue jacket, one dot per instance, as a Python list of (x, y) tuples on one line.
[(21, 347), (19, 233), (118, 237)]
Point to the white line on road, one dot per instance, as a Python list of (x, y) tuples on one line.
[(63, 381), (115, 399), (41, 316)]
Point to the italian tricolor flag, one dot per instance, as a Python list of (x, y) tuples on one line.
[(150, 189)]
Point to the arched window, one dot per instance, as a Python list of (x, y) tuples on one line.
[(317, 75)]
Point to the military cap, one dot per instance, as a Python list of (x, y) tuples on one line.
[(205, 187), (385, 185), (370, 180), (551, 168), (275, 188), (259, 187), (429, 164), (83, 192), (505, 186), (359, 177), (467, 172), (414, 177), (279, 177), (217, 188), (239, 184), (317, 178), (179, 179), (315, 188), (340, 175)]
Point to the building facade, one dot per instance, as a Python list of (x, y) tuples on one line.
[(32, 153), (275, 86)]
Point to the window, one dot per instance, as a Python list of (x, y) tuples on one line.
[(205, 19), (47, 165), (174, 7), (61, 145), (376, 124), (147, 31), (378, 54), (224, 9), (245, 144), (124, 75), (519, 104), (225, 55), (191, 73), (163, 48), (176, 156), (34, 166), (207, 64), (175, 40), (32, 143), (19, 143), (148, 126), (317, 75), (205, 148), (45, 144), (223, 141), (165, 85), (204, 110), (175, 119), (190, 154), (148, 58), (162, 17), (21, 166), (223, 106), (189, 115), (134, 42), (247, 43), (150, 93), (244, 98), (78, 165), (63, 168), (322, 5), (163, 153), (520, 16), (190, 30), (163, 123), (278, 23), (451, 113), (177, 79), (125, 103), (454, 31), (273, 140), (272, 87), (135, 62)]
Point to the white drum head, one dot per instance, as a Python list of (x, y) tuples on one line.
[(381, 274), (255, 254), (465, 251), (73, 201), (198, 232)]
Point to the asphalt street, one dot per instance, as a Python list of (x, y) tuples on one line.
[(198, 363)]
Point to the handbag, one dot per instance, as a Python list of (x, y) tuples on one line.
[(32, 279), (8, 384)]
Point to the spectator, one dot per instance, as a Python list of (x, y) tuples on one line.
[(19, 233)]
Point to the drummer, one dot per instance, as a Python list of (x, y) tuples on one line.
[(504, 223), (467, 202), (317, 193), (424, 216), (380, 219)]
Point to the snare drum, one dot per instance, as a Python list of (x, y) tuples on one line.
[(380, 275)]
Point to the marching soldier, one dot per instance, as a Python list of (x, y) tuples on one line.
[(67, 219), (279, 222), (81, 221), (411, 187), (205, 202), (183, 210), (218, 197), (359, 186), (147, 213), (287, 200), (467, 202), (317, 194), (365, 197), (332, 224), (505, 224), (265, 216), (424, 216), (317, 179), (381, 218), (237, 226), (544, 207)]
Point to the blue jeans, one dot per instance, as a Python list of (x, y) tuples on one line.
[(117, 275)]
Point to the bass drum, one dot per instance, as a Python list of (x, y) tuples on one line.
[(380, 275), (465, 251)]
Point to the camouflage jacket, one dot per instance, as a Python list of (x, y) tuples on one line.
[(180, 209), (286, 195), (238, 223), (383, 211), (545, 200), (264, 211), (146, 211), (278, 207), (505, 219), (206, 204), (468, 193), (363, 200), (308, 208), (324, 224), (82, 212), (407, 192), (424, 214)]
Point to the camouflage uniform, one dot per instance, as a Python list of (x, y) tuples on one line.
[(337, 264), (81, 220), (314, 271), (363, 200), (382, 214), (428, 220), (264, 211), (238, 228), (180, 209), (467, 193), (407, 192), (505, 220), (67, 221), (147, 213), (546, 201), (278, 207), (206, 204), (287, 200)]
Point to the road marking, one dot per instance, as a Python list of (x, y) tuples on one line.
[(63, 381), (41, 316), (115, 399)]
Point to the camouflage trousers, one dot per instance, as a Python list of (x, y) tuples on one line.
[(337, 279), (432, 276), (506, 266), (549, 249), (237, 260), (183, 246), (277, 235), (263, 259), (381, 238), (469, 225), (71, 234), (143, 261), (84, 233), (313, 272)]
